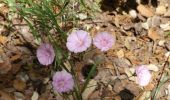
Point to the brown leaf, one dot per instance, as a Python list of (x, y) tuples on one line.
[(19, 85), (5, 67), (5, 96), (152, 33), (3, 39), (145, 11), (15, 57), (160, 10)]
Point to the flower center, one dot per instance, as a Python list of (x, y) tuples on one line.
[(104, 42), (80, 43), (61, 83), (48, 53)]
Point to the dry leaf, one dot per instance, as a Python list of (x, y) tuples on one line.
[(168, 92), (152, 67), (15, 68), (5, 67), (145, 11), (161, 10), (89, 90), (166, 26), (145, 95), (152, 33), (19, 85), (149, 87), (15, 57), (5, 96), (3, 39), (35, 96)]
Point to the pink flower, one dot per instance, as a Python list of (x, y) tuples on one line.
[(78, 41), (45, 54), (143, 75), (104, 41), (62, 81)]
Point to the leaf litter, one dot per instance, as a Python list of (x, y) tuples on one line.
[(140, 39)]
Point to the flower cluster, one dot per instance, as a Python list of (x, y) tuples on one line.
[(79, 41), (143, 75), (62, 81)]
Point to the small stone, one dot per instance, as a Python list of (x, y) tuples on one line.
[(82, 16), (120, 53), (167, 54), (133, 13), (145, 11), (160, 10), (166, 26), (145, 25), (156, 21), (161, 43)]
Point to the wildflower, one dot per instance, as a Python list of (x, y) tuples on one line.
[(45, 54), (62, 81), (143, 75), (104, 41), (78, 41)]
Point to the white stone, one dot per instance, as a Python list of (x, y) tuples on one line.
[(133, 13)]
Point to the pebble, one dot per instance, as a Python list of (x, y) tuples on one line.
[(156, 20), (133, 13), (161, 43), (165, 26)]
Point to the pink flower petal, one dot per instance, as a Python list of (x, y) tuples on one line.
[(143, 75), (63, 82), (104, 41), (78, 41), (45, 54)]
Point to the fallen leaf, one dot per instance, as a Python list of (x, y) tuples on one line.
[(89, 90), (145, 11), (145, 95), (5, 67), (19, 85), (160, 10), (35, 96), (19, 96), (5, 96), (152, 33), (166, 26), (3, 39), (168, 92), (149, 87), (15, 57), (152, 67)]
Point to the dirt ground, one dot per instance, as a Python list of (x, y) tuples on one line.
[(141, 29)]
